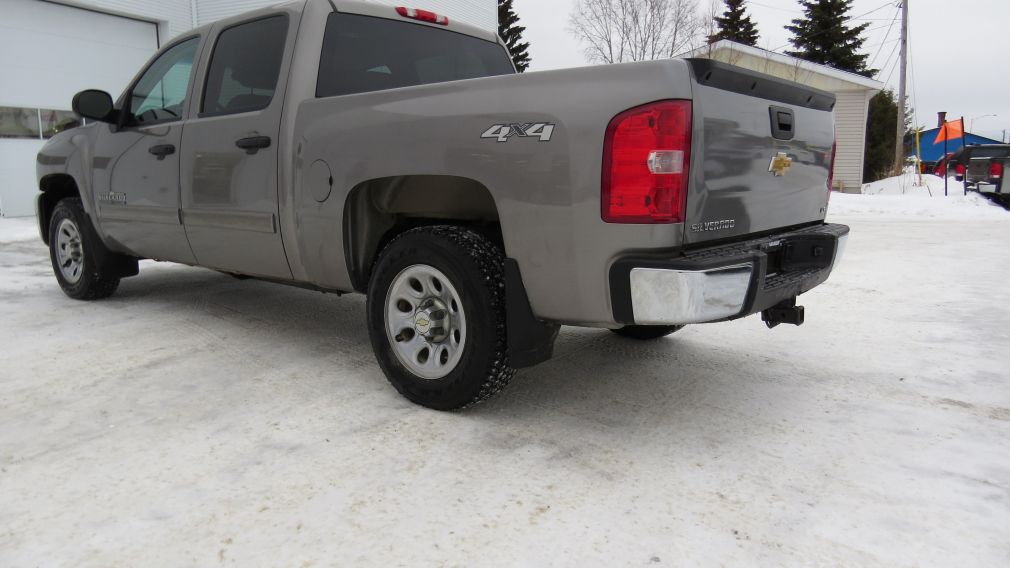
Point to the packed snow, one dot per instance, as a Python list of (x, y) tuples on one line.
[(195, 419), (904, 197), (18, 229)]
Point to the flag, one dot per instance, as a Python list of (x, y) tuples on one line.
[(950, 131)]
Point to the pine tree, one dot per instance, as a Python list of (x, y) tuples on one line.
[(735, 24), (822, 36), (878, 156), (512, 33)]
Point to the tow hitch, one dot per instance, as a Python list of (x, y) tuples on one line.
[(785, 311)]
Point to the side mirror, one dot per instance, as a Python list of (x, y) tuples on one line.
[(94, 104)]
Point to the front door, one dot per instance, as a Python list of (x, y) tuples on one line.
[(136, 165), (229, 153)]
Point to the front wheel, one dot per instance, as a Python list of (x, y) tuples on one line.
[(436, 317), (647, 332), (73, 249)]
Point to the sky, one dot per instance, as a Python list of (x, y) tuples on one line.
[(957, 50)]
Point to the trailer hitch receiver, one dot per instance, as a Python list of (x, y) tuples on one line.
[(785, 311)]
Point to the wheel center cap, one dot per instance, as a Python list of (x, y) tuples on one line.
[(432, 320)]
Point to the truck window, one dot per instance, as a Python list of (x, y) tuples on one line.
[(160, 93), (244, 67), (990, 152), (364, 53)]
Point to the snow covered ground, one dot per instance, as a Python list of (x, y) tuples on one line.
[(195, 419)]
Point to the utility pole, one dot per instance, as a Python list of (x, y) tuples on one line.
[(899, 144)]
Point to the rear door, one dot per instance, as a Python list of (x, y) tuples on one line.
[(229, 151), (762, 153)]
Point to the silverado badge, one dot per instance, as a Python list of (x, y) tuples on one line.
[(780, 164)]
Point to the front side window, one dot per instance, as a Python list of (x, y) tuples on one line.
[(245, 66), (160, 94), (364, 53)]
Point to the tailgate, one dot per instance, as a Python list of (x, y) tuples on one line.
[(762, 153)]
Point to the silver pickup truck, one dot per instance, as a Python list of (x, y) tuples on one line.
[(344, 146)]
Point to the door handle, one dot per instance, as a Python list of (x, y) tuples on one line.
[(783, 122), (162, 150), (253, 144)]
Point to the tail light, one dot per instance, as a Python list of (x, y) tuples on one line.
[(959, 169), (995, 170), (422, 15), (646, 159), (831, 166)]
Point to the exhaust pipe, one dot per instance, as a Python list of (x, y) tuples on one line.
[(785, 311)]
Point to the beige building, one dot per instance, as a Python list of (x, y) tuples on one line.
[(853, 93)]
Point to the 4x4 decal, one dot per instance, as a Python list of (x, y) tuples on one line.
[(502, 132)]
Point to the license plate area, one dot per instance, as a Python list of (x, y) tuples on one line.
[(803, 253)]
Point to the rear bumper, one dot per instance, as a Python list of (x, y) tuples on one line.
[(721, 282)]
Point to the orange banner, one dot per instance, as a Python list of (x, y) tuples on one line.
[(950, 131)]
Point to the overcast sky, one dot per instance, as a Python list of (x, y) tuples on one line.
[(958, 50)]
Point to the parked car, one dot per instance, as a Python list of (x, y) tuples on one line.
[(349, 147), (979, 163)]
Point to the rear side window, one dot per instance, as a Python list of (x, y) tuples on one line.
[(363, 53), (244, 67), (997, 152)]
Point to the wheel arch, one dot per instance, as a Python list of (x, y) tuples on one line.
[(378, 210), (53, 188)]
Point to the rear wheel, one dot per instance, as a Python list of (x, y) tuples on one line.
[(436, 317), (646, 332), (72, 249)]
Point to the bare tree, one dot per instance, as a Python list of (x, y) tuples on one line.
[(615, 31)]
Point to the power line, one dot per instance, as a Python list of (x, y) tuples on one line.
[(886, 35)]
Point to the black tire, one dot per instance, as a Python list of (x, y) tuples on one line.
[(91, 282), (647, 332), (473, 266)]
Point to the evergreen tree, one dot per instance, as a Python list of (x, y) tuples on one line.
[(822, 36), (512, 33), (878, 157), (735, 24)]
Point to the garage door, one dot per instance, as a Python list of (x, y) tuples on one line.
[(48, 52)]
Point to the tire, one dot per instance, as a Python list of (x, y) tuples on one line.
[(440, 289), (647, 332), (73, 247)]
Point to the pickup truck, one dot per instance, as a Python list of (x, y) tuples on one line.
[(978, 164), (343, 146)]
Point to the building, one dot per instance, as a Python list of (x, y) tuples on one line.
[(50, 50), (931, 152), (853, 93)]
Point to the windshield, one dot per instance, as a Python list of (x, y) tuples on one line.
[(363, 53)]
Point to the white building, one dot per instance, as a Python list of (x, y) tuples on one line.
[(50, 50), (852, 94)]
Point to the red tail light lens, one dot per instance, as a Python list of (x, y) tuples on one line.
[(959, 169), (646, 159), (422, 15), (995, 169)]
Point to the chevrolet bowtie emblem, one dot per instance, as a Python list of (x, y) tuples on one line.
[(780, 164)]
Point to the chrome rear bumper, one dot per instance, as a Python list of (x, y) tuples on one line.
[(722, 282)]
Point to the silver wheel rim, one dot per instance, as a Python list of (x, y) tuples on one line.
[(69, 251), (425, 322)]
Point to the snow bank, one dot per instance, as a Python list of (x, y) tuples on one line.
[(900, 197), (14, 229)]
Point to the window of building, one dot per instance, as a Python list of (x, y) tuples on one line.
[(17, 122)]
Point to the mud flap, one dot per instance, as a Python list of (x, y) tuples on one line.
[(530, 341)]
